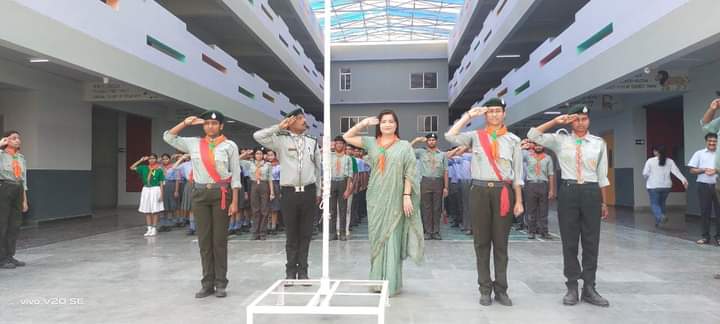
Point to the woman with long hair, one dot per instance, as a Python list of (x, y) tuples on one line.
[(657, 172), (394, 226), (151, 198)]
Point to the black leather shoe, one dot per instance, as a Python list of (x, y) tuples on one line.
[(428, 236), (303, 275), (16, 262), (571, 297), (4, 264), (220, 293), (485, 299), (503, 299), (531, 236), (204, 293), (546, 237), (591, 296), (436, 236)]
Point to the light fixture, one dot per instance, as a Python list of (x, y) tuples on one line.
[(105, 80), (552, 113), (508, 56), (39, 60)]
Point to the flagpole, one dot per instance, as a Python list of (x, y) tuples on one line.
[(325, 280)]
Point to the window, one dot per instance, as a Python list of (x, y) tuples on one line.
[(427, 124), (423, 80), (349, 121), (345, 79)]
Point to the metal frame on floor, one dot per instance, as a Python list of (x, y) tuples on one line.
[(321, 301)]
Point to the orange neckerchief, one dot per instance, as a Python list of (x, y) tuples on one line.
[(494, 134), (383, 148), (212, 143), (17, 170), (338, 166), (538, 157)]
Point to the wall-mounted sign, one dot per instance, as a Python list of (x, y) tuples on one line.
[(639, 142), (98, 91), (650, 81)]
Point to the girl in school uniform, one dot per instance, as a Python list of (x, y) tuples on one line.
[(171, 186), (184, 168), (151, 198)]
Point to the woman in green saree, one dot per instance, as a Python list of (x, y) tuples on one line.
[(393, 203)]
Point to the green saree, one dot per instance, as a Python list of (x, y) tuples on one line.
[(393, 236)]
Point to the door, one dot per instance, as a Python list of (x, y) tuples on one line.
[(609, 138), (104, 158), (138, 139)]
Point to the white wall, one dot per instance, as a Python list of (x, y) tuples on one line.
[(49, 113)]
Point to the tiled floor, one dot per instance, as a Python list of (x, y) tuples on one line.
[(117, 276)]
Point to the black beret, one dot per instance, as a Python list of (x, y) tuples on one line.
[(495, 102), (578, 109), (295, 112), (431, 135), (339, 139), (213, 115)]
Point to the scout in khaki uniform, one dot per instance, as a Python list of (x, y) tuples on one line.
[(433, 184), (539, 189), (13, 197), (299, 156), (261, 191), (340, 188), (215, 166), (581, 198), (496, 169)]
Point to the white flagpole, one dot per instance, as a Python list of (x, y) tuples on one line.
[(325, 280)]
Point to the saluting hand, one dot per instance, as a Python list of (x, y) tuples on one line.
[(4, 142), (285, 123), (370, 121), (477, 111), (144, 158), (715, 104), (565, 119), (193, 120)]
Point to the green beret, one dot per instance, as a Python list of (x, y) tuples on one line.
[(213, 115), (495, 102), (578, 109)]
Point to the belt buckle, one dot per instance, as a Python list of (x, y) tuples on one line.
[(491, 184), (208, 186), (299, 189)]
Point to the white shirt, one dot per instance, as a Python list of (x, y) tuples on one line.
[(704, 159), (659, 176)]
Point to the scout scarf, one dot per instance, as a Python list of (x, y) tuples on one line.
[(538, 158), (504, 194), (151, 172), (383, 149), (494, 133), (17, 170), (207, 155)]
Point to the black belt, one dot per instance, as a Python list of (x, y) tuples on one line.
[(577, 183), (11, 182), (300, 188), (536, 181), (209, 186), (489, 184)]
